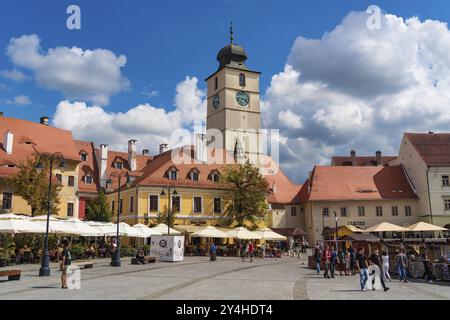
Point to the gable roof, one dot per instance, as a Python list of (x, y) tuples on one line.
[(88, 166), (433, 148), (286, 192), (334, 183)]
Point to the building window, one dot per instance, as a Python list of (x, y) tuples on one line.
[(242, 80), (408, 211), (361, 211), (153, 203), (293, 211), (118, 165), (447, 204), (194, 175), (59, 177), (445, 181), (197, 204), (83, 156), (7, 201), (215, 176), (216, 83), (112, 206), (394, 211), (217, 205), (70, 209), (343, 212), (131, 203), (173, 175), (88, 179), (326, 212), (71, 181), (379, 211), (176, 204), (120, 205)]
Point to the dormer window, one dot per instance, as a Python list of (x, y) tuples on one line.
[(242, 80), (118, 165), (88, 179), (83, 156), (194, 175), (172, 173), (214, 176)]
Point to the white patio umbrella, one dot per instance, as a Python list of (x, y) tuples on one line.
[(210, 232), (55, 225), (17, 224), (163, 229), (243, 234), (386, 227), (82, 228), (267, 234), (423, 226), (126, 230), (12, 216), (146, 230)]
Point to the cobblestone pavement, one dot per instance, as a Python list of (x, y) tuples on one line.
[(198, 278)]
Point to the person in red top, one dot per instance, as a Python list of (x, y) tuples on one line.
[(250, 251), (326, 257)]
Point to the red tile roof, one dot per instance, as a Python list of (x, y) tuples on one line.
[(335, 183), (361, 160), (44, 138), (286, 192), (434, 148), (87, 167)]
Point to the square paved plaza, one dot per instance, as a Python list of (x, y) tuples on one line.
[(197, 278)]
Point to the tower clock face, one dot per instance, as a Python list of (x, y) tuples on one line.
[(215, 101), (242, 98)]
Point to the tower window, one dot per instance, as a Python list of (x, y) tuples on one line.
[(216, 83), (242, 80)]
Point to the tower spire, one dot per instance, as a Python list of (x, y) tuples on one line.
[(231, 32)]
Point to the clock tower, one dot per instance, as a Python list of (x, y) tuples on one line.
[(233, 105)]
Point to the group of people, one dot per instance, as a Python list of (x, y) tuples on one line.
[(349, 262)]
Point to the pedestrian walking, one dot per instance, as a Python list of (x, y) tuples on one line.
[(333, 261), (376, 260), (66, 262), (400, 263), (250, 251), (244, 251), (238, 248), (352, 260), (385, 266), (326, 257), (317, 258), (213, 252), (362, 268), (341, 262), (428, 274)]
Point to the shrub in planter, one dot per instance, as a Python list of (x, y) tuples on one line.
[(146, 249), (77, 251)]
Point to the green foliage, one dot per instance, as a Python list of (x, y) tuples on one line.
[(146, 249), (32, 185), (77, 250), (7, 247), (166, 217), (249, 192), (98, 209)]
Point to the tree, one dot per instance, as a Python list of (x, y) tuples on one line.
[(98, 209), (165, 215), (249, 191), (32, 185)]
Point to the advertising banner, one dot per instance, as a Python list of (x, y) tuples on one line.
[(167, 248)]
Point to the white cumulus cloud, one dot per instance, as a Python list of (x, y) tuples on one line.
[(91, 75)]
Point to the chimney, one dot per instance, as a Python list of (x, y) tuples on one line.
[(103, 164), (44, 121), (132, 154), (162, 148), (8, 142), (1, 113), (378, 157), (200, 147), (145, 152), (353, 157)]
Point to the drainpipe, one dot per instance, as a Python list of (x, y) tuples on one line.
[(429, 196)]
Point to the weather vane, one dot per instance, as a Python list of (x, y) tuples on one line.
[(231, 32)]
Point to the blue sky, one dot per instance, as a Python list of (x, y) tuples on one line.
[(166, 41)]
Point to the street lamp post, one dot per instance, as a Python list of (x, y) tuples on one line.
[(115, 258), (336, 229), (44, 271), (169, 212)]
